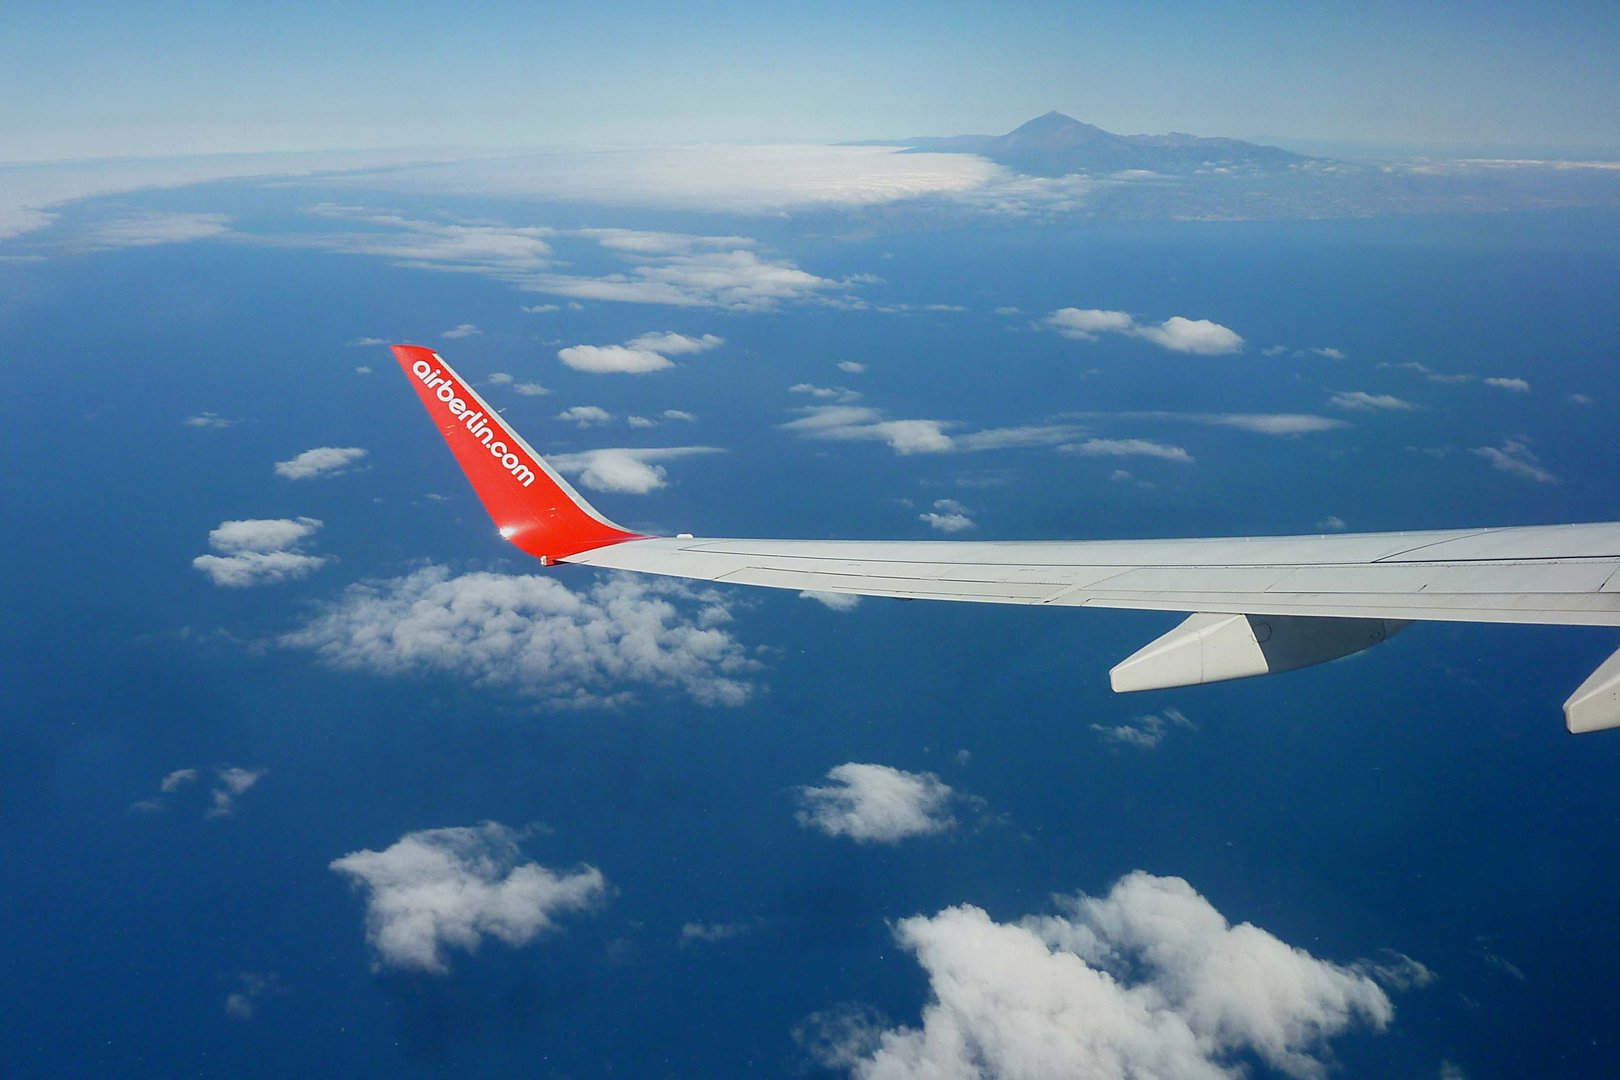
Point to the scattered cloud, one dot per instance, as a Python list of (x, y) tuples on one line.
[(1361, 401), (1328, 353), (708, 933), (1517, 386), (260, 551), (441, 889), (1149, 980), (877, 804), (1429, 373), (1177, 333), (948, 516), (586, 647), (851, 422), (539, 309), (1331, 523), (319, 462), (739, 280), (365, 342), (176, 780), (672, 344), (640, 422), (1129, 448), (1515, 459), (649, 352), (243, 1002), (841, 394), (852, 367), (233, 783), (462, 330), (363, 369), (208, 420), (833, 601), (1144, 732), (1580, 399), (1009, 438), (617, 359), (585, 416), (624, 469), (527, 389), (153, 228), (677, 414)]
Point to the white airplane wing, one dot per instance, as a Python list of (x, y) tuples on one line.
[(1257, 605)]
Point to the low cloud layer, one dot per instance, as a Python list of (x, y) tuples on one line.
[(260, 551), (1177, 333), (649, 352), (319, 462), (624, 470), (1128, 448), (948, 516), (877, 804), (1149, 980), (530, 633), (439, 890), (1515, 459)]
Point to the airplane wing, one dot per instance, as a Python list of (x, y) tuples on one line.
[(1257, 605)]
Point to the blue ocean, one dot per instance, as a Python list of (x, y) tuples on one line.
[(1422, 799)]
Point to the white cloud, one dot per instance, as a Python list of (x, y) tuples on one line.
[(621, 359), (1144, 732), (363, 369), (321, 461), (1329, 353), (540, 309), (441, 889), (530, 633), (841, 394), (1515, 459), (1361, 401), (462, 330), (677, 414), (501, 250), (233, 783), (1013, 437), (731, 179), (150, 229), (365, 342), (1581, 399), (1518, 386), (640, 422), (208, 420), (527, 389), (1331, 523), (739, 280), (1177, 333), (584, 416), (833, 601), (1429, 373), (853, 367), (672, 344), (877, 803), (176, 780), (243, 1002), (260, 551), (712, 932), (948, 516), (1150, 980), (1129, 448), (850, 422), (623, 469)]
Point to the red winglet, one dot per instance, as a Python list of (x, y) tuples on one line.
[(534, 508)]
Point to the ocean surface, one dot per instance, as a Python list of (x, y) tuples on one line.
[(1422, 798)]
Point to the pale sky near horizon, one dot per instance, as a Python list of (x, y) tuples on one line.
[(107, 79)]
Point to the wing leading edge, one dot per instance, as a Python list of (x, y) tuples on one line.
[(1259, 605)]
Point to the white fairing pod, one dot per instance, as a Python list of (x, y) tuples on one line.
[(1595, 705), (1213, 648)]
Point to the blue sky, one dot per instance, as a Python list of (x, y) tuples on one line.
[(138, 78)]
